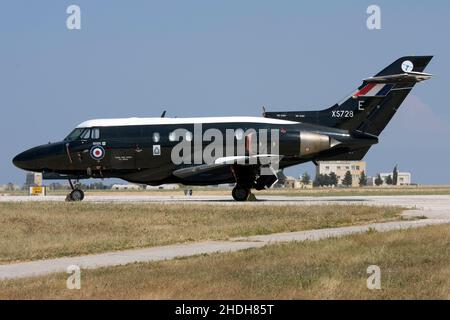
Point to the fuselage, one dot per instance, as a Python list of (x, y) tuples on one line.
[(141, 150)]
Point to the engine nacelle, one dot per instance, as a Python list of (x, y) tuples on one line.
[(311, 143)]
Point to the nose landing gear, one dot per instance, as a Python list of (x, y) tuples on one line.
[(76, 194)]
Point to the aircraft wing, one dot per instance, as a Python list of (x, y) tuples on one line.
[(185, 173), (248, 160), (258, 160)]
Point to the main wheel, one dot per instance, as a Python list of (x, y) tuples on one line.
[(75, 195), (240, 193)]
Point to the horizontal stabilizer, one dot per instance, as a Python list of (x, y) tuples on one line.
[(407, 77)]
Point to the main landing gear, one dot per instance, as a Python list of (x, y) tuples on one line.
[(245, 177), (76, 194), (240, 193)]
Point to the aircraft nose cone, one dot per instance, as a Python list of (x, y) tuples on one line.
[(39, 158), (22, 161)]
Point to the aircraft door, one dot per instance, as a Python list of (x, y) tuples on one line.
[(123, 154), (87, 152), (149, 150)]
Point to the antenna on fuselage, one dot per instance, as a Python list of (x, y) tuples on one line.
[(163, 114), (263, 111)]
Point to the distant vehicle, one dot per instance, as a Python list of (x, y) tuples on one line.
[(193, 151)]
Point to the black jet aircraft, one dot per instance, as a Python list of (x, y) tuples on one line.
[(163, 150)]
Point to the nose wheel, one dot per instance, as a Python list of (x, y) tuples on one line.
[(76, 194)]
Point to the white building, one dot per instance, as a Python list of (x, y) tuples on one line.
[(126, 187), (404, 178), (168, 186)]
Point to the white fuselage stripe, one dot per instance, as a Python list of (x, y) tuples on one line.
[(169, 121)]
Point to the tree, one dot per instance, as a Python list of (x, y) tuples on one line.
[(389, 180), (333, 179), (97, 186), (322, 180), (318, 182), (378, 180), (348, 180), (363, 179), (306, 179), (395, 176), (56, 186)]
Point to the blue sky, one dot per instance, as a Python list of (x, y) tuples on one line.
[(219, 58)]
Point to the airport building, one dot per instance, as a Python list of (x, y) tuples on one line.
[(9, 187), (340, 168), (33, 179), (404, 178), (135, 187), (167, 186), (126, 187), (292, 183)]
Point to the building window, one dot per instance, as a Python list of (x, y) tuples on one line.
[(339, 167), (357, 167), (155, 137), (327, 168)]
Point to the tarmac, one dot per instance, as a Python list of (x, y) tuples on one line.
[(432, 210)]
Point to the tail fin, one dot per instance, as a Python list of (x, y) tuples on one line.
[(373, 104)]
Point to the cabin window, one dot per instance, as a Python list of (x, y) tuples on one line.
[(95, 134), (239, 134), (172, 136), (156, 137), (74, 135), (188, 136), (86, 134)]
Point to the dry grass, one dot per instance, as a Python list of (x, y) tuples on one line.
[(414, 264), (366, 191), (30, 231)]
